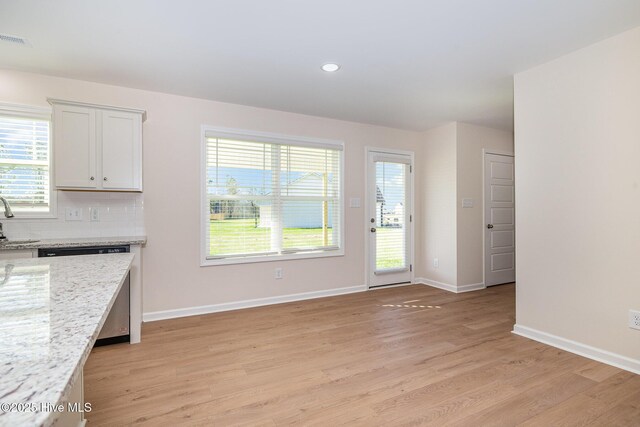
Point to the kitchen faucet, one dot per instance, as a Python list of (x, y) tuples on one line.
[(7, 212)]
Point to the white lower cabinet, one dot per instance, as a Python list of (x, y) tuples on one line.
[(73, 407)]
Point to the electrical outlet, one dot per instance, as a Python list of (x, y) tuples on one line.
[(436, 262), (73, 214), (95, 214), (278, 273), (634, 319)]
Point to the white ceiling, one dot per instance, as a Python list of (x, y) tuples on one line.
[(409, 64)]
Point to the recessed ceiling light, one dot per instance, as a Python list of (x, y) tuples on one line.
[(330, 67)]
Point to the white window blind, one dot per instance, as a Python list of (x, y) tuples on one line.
[(391, 216), (267, 198), (25, 163)]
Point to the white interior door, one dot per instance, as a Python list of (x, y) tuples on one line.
[(499, 215), (389, 218)]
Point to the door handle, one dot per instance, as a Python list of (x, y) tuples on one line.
[(489, 225), (373, 229)]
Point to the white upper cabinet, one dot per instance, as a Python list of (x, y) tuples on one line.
[(74, 136), (97, 147), (121, 150)]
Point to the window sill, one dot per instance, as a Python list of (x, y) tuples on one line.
[(270, 258)]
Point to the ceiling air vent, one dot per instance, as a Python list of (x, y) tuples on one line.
[(8, 38)]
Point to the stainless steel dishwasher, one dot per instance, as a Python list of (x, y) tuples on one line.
[(116, 327)]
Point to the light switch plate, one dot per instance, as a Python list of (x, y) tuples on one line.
[(467, 203), (94, 213), (354, 202)]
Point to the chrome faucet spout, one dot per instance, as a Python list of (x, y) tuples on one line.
[(7, 209)]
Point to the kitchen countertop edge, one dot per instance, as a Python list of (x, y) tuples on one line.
[(74, 242)]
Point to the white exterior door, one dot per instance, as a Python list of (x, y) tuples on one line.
[(389, 218), (499, 215)]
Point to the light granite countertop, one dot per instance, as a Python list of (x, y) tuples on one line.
[(70, 243), (51, 311)]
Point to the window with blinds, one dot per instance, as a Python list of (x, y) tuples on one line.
[(270, 197), (25, 154)]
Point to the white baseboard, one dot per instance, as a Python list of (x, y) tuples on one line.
[(471, 287), (447, 287), (604, 356), (237, 305), (374, 288)]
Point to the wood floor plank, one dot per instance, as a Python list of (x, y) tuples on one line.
[(410, 355)]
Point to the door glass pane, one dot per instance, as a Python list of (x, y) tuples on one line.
[(390, 215)]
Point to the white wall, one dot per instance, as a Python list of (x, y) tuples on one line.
[(577, 127), (173, 278), (471, 140), (120, 214), (436, 225)]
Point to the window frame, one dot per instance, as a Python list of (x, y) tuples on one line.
[(38, 113), (276, 139)]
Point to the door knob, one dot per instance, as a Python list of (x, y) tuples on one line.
[(92, 178), (373, 230), (489, 225)]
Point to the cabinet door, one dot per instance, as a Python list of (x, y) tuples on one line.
[(74, 146), (121, 151)]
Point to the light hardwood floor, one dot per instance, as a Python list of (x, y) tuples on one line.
[(410, 355)]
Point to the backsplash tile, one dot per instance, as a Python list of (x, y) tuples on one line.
[(120, 214)]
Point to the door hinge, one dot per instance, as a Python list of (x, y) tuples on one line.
[(410, 267), (410, 218), (410, 169)]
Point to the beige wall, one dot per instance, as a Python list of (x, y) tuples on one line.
[(471, 141), (450, 168), (173, 278), (577, 127), (436, 187)]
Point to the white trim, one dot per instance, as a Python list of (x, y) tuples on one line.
[(271, 138), (53, 101), (367, 224), (135, 298), (435, 284), (396, 285), (496, 152), (470, 287), (597, 354), (25, 111), (458, 289), (237, 305), (283, 256)]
